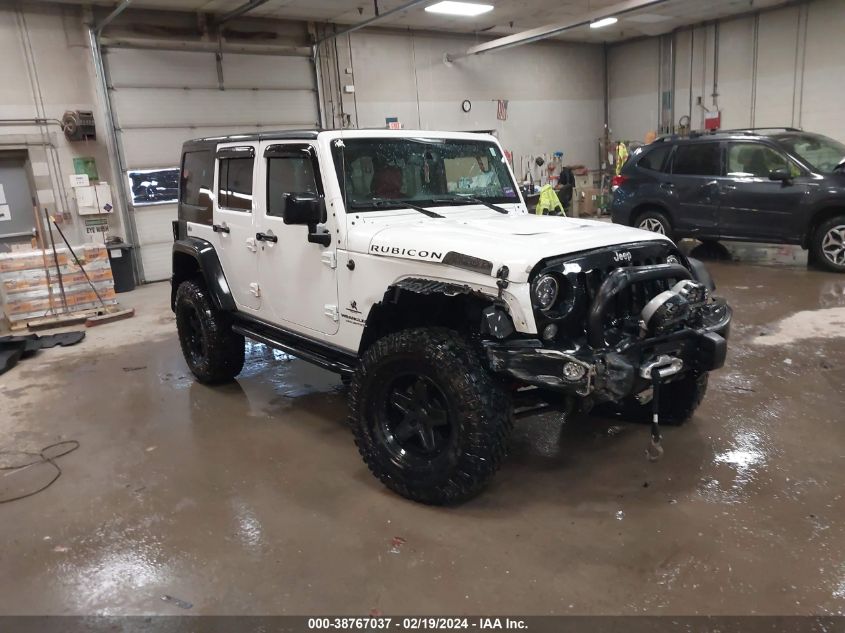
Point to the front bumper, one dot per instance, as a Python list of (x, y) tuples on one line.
[(612, 372)]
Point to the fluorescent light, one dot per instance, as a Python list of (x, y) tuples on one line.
[(450, 7), (603, 22)]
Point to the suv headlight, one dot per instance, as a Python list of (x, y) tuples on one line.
[(545, 292)]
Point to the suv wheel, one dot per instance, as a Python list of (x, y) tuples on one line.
[(430, 422), (214, 353), (829, 244), (656, 222)]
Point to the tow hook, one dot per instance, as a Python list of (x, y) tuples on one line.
[(665, 365), (654, 450)]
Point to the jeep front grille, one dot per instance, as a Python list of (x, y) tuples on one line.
[(586, 271), (630, 301)]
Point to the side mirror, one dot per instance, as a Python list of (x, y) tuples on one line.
[(308, 209), (304, 208), (781, 173)]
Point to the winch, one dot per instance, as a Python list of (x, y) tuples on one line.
[(671, 308)]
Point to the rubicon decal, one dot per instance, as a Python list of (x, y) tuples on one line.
[(414, 253)]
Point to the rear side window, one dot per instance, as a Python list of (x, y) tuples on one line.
[(697, 159), (235, 184), (655, 159), (195, 183)]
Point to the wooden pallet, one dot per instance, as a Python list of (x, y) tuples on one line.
[(90, 317)]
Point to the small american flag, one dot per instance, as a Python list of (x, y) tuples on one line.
[(502, 110)]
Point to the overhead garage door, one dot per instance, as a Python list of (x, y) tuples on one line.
[(162, 98)]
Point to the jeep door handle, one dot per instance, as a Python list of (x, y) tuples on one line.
[(219, 228), (263, 237)]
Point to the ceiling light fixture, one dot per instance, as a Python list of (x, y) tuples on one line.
[(451, 7), (603, 22)]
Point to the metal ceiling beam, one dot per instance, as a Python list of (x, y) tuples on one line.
[(239, 11), (373, 20), (111, 16), (550, 30)]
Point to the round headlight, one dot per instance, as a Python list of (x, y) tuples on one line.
[(545, 292), (673, 259)]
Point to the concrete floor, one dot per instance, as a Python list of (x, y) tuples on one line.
[(251, 498)]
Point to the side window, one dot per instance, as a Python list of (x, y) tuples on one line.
[(755, 160), (289, 173), (235, 184), (697, 159), (196, 179), (655, 159)]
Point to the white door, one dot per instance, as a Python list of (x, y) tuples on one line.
[(234, 221), (298, 277)]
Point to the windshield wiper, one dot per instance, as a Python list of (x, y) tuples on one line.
[(380, 203), (473, 200)]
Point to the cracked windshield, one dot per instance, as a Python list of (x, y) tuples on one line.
[(387, 172)]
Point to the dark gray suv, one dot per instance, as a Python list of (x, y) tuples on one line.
[(777, 185)]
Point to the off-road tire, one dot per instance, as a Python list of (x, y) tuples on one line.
[(478, 408), (817, 256), (213, 352), (678, 401), (651, 216)]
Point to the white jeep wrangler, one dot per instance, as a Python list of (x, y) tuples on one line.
[(408, 263)]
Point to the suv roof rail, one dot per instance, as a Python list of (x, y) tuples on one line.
[(743, 130), (760, 129)]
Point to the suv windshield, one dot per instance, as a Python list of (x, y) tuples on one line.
[(821, 152), (375, 172)]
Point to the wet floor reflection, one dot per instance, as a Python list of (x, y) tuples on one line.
[(746, 252)]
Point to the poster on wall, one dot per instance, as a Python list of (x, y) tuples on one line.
[(154, 186), (86, 165)]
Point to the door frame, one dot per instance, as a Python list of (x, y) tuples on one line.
[(221, 215), (322, 256)]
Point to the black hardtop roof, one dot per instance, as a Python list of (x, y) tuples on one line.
[(281, 135)]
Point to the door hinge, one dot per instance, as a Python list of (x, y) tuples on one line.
[(331, 311), (329, 258), (255, 289)]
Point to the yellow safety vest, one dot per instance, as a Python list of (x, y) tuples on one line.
[(548, 201)]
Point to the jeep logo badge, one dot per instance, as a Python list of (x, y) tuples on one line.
[(622, 256)]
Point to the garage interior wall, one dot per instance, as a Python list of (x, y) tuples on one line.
[(554, 89), (774, 68), (46, 70)]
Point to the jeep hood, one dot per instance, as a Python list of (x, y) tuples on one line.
[(517, 240)]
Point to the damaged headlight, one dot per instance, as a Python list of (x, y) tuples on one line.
[(545, 291)]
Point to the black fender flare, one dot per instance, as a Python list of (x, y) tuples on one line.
[(204, 260)]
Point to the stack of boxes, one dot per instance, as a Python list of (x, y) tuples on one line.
[(24, 288)]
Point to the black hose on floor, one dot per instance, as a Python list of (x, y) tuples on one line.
[(41, 457)]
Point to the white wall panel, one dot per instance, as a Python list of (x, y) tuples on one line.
[(554, 90), (776, 67), (824, 78), (799, 76), (632, 71), (736, 60), (163, 98)]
